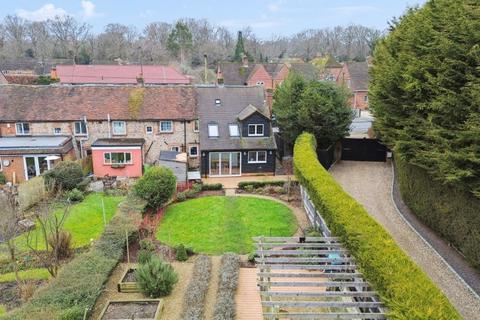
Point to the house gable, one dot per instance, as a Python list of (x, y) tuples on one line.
[(260, 76)]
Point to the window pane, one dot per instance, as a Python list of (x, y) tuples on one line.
[(251, 129), (26, 128), (259, 129), (213, 130), (193, 151), (107, 157), (196, 125), (233, 128), (262, 156), (118, 127), (166, 126), (128, 157), (252, 156), (19, 128)]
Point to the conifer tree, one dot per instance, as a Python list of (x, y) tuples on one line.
[(239, 48)]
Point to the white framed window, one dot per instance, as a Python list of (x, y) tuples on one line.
[(119, 128), (176, 149), (365, 98), (166, 126), (196, 126), (255, 130), (117, 158), (80, 128), (57, 131), (193, 151), (218, 102), (213, 130), (23, 128), (149, 129), (257, 156), (233, 130)]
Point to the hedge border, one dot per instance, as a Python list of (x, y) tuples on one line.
[(404, 288), (194, 298), (261, 184), (227, 287), (80, 282)]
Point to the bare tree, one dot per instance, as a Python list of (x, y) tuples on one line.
[(15, 31), (69, 35)]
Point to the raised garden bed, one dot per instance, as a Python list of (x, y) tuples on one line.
[(147, 309), (128, 283)]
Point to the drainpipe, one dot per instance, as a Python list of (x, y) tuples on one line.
[(185, 144), (109, 129)]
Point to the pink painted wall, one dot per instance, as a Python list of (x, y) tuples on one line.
[(129, 170)]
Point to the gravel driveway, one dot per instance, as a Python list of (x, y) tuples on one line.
[(370, 183)]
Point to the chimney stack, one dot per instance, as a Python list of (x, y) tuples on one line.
[(219, 76), (53, 73), (245, 60)]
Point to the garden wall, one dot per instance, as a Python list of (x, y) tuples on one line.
[(452, 212), (403, 287), (80, 282)]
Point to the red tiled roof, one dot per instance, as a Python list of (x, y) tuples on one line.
[(116, 74), (68, 103)]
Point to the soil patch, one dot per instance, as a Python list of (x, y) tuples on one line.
[(130, 276), (10, 294), (131, 310)]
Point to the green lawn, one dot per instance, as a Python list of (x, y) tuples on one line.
[(84, 221), (31, 274), (224, 224)]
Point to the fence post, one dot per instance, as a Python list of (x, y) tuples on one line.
[(128, 249)]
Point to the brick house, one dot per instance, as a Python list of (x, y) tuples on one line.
[(354, 76), (164, 116), (235, 131)]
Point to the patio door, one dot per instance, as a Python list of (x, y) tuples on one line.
[(36, 165), (225, 164)]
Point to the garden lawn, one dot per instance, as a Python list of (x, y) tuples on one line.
[(224, 224), (31, 274), (84, 221)]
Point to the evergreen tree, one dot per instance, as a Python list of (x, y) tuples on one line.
[(239, 48), (425, 90), (179, 41)]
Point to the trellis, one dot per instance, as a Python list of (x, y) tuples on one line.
[(312, 278)]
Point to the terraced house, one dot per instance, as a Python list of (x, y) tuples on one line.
[(235, 131), (54, 122)]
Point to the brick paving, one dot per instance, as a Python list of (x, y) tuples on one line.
[(371, 184)]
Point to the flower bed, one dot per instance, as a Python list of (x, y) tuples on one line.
[(128, 283), (147, 309)]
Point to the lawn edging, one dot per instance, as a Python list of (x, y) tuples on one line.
[(80, 282), (404, 288)]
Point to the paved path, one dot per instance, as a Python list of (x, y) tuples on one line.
[(248, 304), (371, 184)]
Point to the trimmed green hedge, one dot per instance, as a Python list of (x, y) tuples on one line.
[(80, 282), (260, 184), (403, 287), (452, 212)]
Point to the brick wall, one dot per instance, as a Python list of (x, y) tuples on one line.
[(261, 75), (359, 101)]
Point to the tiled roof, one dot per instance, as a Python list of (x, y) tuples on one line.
[(233, 101), (235, 73), (359, 76), (248, 111), (120, 74), (273, 68), (3, 80), (307, 70), (68, 103)]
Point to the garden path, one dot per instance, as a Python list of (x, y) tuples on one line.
[(370, 183), (247, 299)]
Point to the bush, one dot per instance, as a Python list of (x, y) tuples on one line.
[(227, 286), (63, 244), (156, 278), (449, 210), (212, 186), (181, 253), (181, 196), (144, 256), (3, 179), (147, 244), (157, 186), (194, 299), (80, 282), (402, 286), (66, 175), (252, 256), (31, 192), (259, 184), (75, 195)]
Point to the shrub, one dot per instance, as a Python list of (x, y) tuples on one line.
[(181, 196), (181, 253), (66, 175), (403, 287), (80, 282), (63, 244), (3, 310), (259, 184), (156, 278), (147, 244), (252, 256), (227, 286), (212, 186), (144, 256), (157, 186), (194, 299), (75, 195), (31, 192), (449, 210), (3, 179)]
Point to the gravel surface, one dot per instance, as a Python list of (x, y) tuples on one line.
[(370, 183)]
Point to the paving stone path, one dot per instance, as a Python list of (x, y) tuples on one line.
[(371, 184)]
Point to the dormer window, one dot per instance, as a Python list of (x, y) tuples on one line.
[(255, 130), (23, 128), (233, 130), (213, 130), (218, 102)]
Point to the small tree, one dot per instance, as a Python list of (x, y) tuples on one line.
[(239, 48), (9, 227), (157, 186), (156, 278), (66, 175), (179, 41)]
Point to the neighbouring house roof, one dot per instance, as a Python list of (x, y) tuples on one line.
[(30, 65), (167, 155), (234, 100), (307, 70), (119, 142), (35, 145), (332, 63), (273, 68), (70, 103), (235, 73), (248, 111), (3, 80), (119, 74), (359, 77)]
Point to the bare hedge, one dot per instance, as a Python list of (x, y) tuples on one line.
[(194, 299), (227, 286)]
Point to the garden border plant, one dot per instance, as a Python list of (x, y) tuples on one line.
[(227, 287), (79, 283), (404, 288), (194, 298)]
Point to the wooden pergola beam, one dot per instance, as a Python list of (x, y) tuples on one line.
[(337, 284), (306, 267), (295, 239), (291, 294), (322, 304), (318, 316), (300, 252), (299, 245), (338, 275), (304, 260)]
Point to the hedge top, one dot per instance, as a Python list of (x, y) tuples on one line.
[(402, 286)]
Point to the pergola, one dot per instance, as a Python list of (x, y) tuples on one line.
[(312, 278)]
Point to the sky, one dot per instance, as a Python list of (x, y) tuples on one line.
[(265, 17)]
